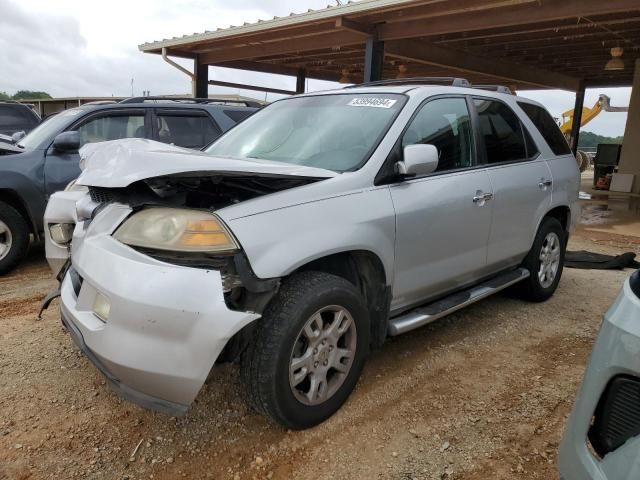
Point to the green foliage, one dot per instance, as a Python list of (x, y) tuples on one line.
[(590, 139), (4, 96), (22, 94)]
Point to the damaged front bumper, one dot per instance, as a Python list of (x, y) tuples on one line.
[(166, 324)]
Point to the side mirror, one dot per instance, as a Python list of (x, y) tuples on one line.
[(67, 142), (17, 136), (419, 159)]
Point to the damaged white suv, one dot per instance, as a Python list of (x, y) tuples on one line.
[(305, 236)]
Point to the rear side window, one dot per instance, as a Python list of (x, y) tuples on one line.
[(547, 127), (189, 130), (17, 116), (237, 115), (505, 139)]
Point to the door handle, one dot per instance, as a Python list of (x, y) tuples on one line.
[(482, 197), (545, 183)]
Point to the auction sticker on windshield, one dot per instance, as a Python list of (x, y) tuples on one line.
[(372, 102)]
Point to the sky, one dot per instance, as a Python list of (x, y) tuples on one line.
[(89, 48)]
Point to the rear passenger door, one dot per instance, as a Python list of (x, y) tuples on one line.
[(189, 128), (520, 178)]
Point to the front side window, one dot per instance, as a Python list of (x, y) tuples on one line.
[(446, 124), (113, 127), (547, 127), (189, 130), (336, 132), (504, 137)]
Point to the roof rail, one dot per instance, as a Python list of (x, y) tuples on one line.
[(494, 88), (211, 100), (452, 81)]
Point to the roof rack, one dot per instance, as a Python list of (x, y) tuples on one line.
[(452, 81), (212, 101), (494, 88)]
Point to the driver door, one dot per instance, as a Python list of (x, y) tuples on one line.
[(443, 219), (62, 167)]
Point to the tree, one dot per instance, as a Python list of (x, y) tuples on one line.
[(23, 94), (590, 140), (4, 96)]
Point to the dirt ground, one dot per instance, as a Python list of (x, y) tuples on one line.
[(482, 394)]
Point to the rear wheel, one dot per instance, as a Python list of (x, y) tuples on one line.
[(545, 261), (14, 237), (308, 351)]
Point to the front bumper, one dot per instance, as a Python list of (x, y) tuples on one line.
[(167, 324), (616, 352)]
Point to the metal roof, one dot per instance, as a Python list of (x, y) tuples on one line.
[(521, 43)]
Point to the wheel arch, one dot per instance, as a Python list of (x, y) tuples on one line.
[(13, 199)]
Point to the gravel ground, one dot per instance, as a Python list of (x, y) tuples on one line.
[(482, 394)]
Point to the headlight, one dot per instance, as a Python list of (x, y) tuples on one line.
[(72, 187), (176, 230)]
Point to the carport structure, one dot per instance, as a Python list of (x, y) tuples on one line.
[(524, 44)]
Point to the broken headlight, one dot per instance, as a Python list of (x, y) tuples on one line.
[(177, 230)]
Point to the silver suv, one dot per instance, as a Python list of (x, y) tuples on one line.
[(306, 235)]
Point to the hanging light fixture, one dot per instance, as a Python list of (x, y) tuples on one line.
[(615, 63), (345, 78), (402, 71)]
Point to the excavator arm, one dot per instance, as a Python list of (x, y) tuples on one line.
[(602, 105)]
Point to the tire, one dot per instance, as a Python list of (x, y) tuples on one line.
[(281, 338), (583, 160), (540, 287), (14, 237)]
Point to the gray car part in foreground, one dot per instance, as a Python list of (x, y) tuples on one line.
[(322, 260), (602, 437)]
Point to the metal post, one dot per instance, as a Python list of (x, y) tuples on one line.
[(577, 119), (301, 80), (373, 59), (200, 80)]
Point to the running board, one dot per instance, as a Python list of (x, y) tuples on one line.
[(429, 313)]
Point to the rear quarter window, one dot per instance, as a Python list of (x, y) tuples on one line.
[(238, 115), (547, 127)]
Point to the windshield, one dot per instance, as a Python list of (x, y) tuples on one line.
[(335, 132), (50, 127)]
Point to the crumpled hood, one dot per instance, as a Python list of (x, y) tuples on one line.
[(119, 163)]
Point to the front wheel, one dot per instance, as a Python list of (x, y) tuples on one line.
[(14, 237), (308, 351), (545, 261)]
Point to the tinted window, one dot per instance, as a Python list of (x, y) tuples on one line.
[(16, 116), (192, 130), (446, 124), (237, 115), (112, 128), (547, 126), (501, 130)]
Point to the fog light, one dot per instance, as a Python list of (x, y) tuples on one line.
[(101, 307), (61, 233)]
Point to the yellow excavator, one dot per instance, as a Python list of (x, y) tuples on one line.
[(602, 105)]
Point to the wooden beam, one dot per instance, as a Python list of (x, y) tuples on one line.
[(446, 57), (244, 86), (343, 23), (542, 11), (279, 69), (334, 40)]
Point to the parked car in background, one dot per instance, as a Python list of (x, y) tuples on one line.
[(16, 118), (47, 160), (307, 234), (602, 438)]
